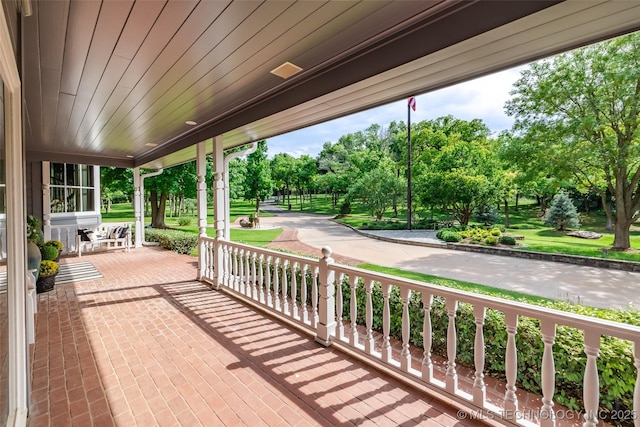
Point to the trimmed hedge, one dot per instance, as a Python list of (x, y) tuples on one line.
[(508, 240), (174, 240), (448, 235), (615, 364)]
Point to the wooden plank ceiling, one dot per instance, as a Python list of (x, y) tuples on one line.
[(114, 82)]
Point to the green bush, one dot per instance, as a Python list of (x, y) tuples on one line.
[(175, 240), (491, 240), (345, 208), (184, 221), (507, 240), (615, 363), (48, 267), (495, 232), (448, 236), (383, 225), (49, 252)]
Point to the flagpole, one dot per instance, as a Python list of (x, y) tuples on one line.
[(409, 164)]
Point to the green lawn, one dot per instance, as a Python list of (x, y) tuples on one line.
[(457, 284), (538, 239), (123, 212), (525, 221)]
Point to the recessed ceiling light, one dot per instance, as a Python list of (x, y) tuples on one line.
[(191, 123), (286, 70), (130, 156), (151, 144)]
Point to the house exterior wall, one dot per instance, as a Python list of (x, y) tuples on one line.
[(57, 225)]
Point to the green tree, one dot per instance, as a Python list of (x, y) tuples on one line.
[(306, 173), (377, 189), (257, 183), (562, 213), (115, 183), (283, 171), (459, 174), (580, 112), (171, 181)]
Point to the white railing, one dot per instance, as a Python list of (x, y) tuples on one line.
[(67, 235), (304, 291), (282, 283)]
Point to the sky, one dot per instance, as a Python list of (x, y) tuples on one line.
[(483, 98)]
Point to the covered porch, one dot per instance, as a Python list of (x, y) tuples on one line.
[(147, 345)]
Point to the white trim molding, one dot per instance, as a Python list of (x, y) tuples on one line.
[(16, 242)]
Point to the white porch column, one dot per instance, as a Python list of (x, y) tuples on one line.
[(18, 365), (46, 200), (137, 207), (201, 169), (219, 208), (326, 301)]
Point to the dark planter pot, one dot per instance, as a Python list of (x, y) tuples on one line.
[(45, 283)]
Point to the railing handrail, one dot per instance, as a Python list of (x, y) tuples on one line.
[(240, 268), (575, 320), (265, 250)]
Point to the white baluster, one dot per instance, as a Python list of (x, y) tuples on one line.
[(241, 272), (386, 323), (547, 416), (248, 279), (368, 342), (236, 271), (261, 279), (303, 293), (339, 308), (427, 335), (314, 298), (479, 390), (276, 284), (226, 262), (451, 376), (285, 286), (511, 366), (405, 354), (353, 336), (294, 290), (591, 386), (267, 266), (254, 277)]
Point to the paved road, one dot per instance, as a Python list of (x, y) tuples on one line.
[(598, 287)]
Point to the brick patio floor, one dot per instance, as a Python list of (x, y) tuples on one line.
[(148, 345)]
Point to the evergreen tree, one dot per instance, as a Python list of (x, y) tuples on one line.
[(562, 213)]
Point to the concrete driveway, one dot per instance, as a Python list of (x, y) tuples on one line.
[(599, 287)]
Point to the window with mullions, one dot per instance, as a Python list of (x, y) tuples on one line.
[(71, 188)]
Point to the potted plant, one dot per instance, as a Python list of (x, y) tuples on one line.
[(51, 250), (47, 277)]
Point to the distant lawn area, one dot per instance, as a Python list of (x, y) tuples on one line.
[(123, 212), (525, 221)]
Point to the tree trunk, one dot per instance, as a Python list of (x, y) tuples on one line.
[(621, 240), (257, 204), (158, 207), (517, 200), (506, 214)]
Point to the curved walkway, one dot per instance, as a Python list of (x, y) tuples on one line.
[(599, 287)]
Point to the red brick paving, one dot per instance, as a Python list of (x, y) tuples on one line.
[(148, 345)]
